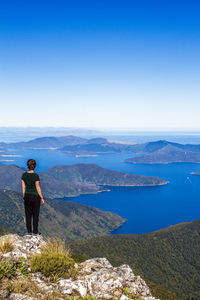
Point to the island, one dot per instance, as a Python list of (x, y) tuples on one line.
[(73, 145), (165, 153), (195, 173), (47, 142), (160, 151)]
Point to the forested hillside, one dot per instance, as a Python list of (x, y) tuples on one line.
[(169, 257)]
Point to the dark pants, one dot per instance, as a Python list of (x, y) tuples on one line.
[(32, 209)]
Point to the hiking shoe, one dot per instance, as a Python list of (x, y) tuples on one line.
[(36, 234)]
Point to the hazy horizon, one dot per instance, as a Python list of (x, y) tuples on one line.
[(102, 129), (22, 134)]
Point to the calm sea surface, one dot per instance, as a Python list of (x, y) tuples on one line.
[(145, 208)]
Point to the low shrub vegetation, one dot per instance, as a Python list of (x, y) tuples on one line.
[(7, 269), (127, 292), (55, 261), (10, 269)]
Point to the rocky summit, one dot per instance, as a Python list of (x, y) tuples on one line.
[(95, 278)]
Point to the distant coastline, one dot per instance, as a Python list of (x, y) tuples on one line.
[(10, 155), (6, 160), (86, 155)]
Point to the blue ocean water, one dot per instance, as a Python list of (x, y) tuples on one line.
[(152, 208), (145, 208)]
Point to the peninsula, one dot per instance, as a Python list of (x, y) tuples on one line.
[(72, 180)]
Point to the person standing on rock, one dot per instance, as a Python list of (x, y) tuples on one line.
[(32, 196)]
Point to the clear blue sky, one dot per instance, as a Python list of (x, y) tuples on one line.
[(100, 63)]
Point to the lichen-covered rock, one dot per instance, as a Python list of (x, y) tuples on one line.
[(101, 280), (70, 287), (105, 281), (23, 245), (43, 284), (94, 264)]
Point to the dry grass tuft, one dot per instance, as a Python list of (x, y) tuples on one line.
[(20, 285), (6, 245), (56, 246), (29, 288)]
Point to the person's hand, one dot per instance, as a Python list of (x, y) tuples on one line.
[(42, 201)]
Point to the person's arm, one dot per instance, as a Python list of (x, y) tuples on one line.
[(23, 188), (37, 185)]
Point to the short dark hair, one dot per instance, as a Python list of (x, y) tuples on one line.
[(31, 163)]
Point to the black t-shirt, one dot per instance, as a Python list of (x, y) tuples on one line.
[(29, 180)]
